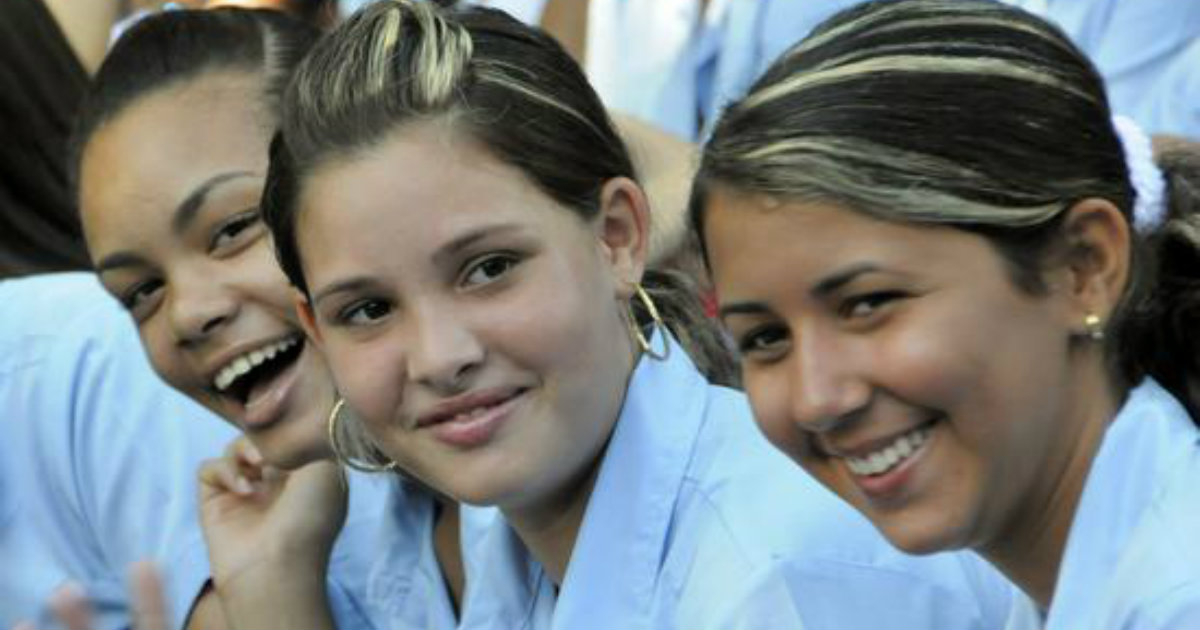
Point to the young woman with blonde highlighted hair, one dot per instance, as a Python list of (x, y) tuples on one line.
[(965, 300), (468, 234)]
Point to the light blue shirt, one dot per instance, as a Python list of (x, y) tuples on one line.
[(1147, 50), (406, 588), (99, 456), (1132, 559), (98, 463), (695, 521)]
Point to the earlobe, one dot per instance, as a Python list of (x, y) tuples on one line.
[(1098, 257), (624, 225), (308, 319)]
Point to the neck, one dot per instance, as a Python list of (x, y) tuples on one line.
[(549, 529), (549, 525), (1029, 549), (448, 549)]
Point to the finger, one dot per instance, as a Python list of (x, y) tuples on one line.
[(245, 457), (247, 452), (149, 602), (222, 475), (70, 606)]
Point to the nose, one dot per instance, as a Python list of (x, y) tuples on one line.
[(200, 305), (827, 386), (445, 352)]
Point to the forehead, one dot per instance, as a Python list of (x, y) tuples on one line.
[(161, 146), (430, 179), (214, 121), (755, 240)]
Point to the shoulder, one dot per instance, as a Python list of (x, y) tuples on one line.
[(1176, 608), (788, 546), (814, 593), (1162, 559)]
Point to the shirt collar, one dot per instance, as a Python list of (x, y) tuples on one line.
[(1146, 439), (614, 564), (616, 557)]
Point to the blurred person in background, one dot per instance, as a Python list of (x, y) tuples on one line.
[(48, 48)]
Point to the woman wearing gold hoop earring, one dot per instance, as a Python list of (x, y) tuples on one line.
[(488, 317)]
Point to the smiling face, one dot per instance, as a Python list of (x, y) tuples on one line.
[(169, 193), (472, 323), (898, 364)]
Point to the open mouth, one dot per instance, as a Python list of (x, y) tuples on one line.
[(243, 375)]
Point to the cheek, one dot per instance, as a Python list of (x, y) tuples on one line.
[(367, 376), (272, 285), (557, 324), (767, 390), (767, 396), (167, 361), (934, 364)]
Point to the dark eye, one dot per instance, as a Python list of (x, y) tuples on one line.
[(226, 234), (862, 306), (138, 299), (364, 312), (488, 268), (763, 343)]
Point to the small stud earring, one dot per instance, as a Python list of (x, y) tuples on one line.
[(1093, 327)]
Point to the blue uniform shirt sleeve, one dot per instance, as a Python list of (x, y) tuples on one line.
[(102, 457)]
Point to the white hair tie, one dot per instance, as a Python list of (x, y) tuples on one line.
[(1150, 208)]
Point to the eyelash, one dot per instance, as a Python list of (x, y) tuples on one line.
[(233, 227), (873, 301), (747, 344), (346, 316), (130, 300), (478, 264)]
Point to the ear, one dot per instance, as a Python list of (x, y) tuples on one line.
[(308, 319), (1097, 258), (623, 227)]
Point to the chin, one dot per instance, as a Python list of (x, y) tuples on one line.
[(919, 538)]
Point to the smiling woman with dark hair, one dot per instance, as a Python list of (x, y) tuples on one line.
[(171, 150), (965, 299)]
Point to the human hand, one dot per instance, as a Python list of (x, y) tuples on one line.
[(69, 605), (258, 518)]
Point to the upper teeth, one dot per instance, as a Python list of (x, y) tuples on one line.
[(888, 457), (246, 362), (470, 414)]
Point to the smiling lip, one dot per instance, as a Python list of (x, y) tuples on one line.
[(216, 365), (889, 487), (471, 420), (268, 401)]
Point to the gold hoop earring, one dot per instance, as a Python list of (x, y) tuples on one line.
[(335, 443), (1093, 327), (639, 337)]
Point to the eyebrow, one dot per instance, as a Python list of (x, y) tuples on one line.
[(187, 210), (465, 240), (119, 260), (840, 279), (356, 283), (822, 289)]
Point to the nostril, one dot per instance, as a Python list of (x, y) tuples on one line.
[(212, 324)]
